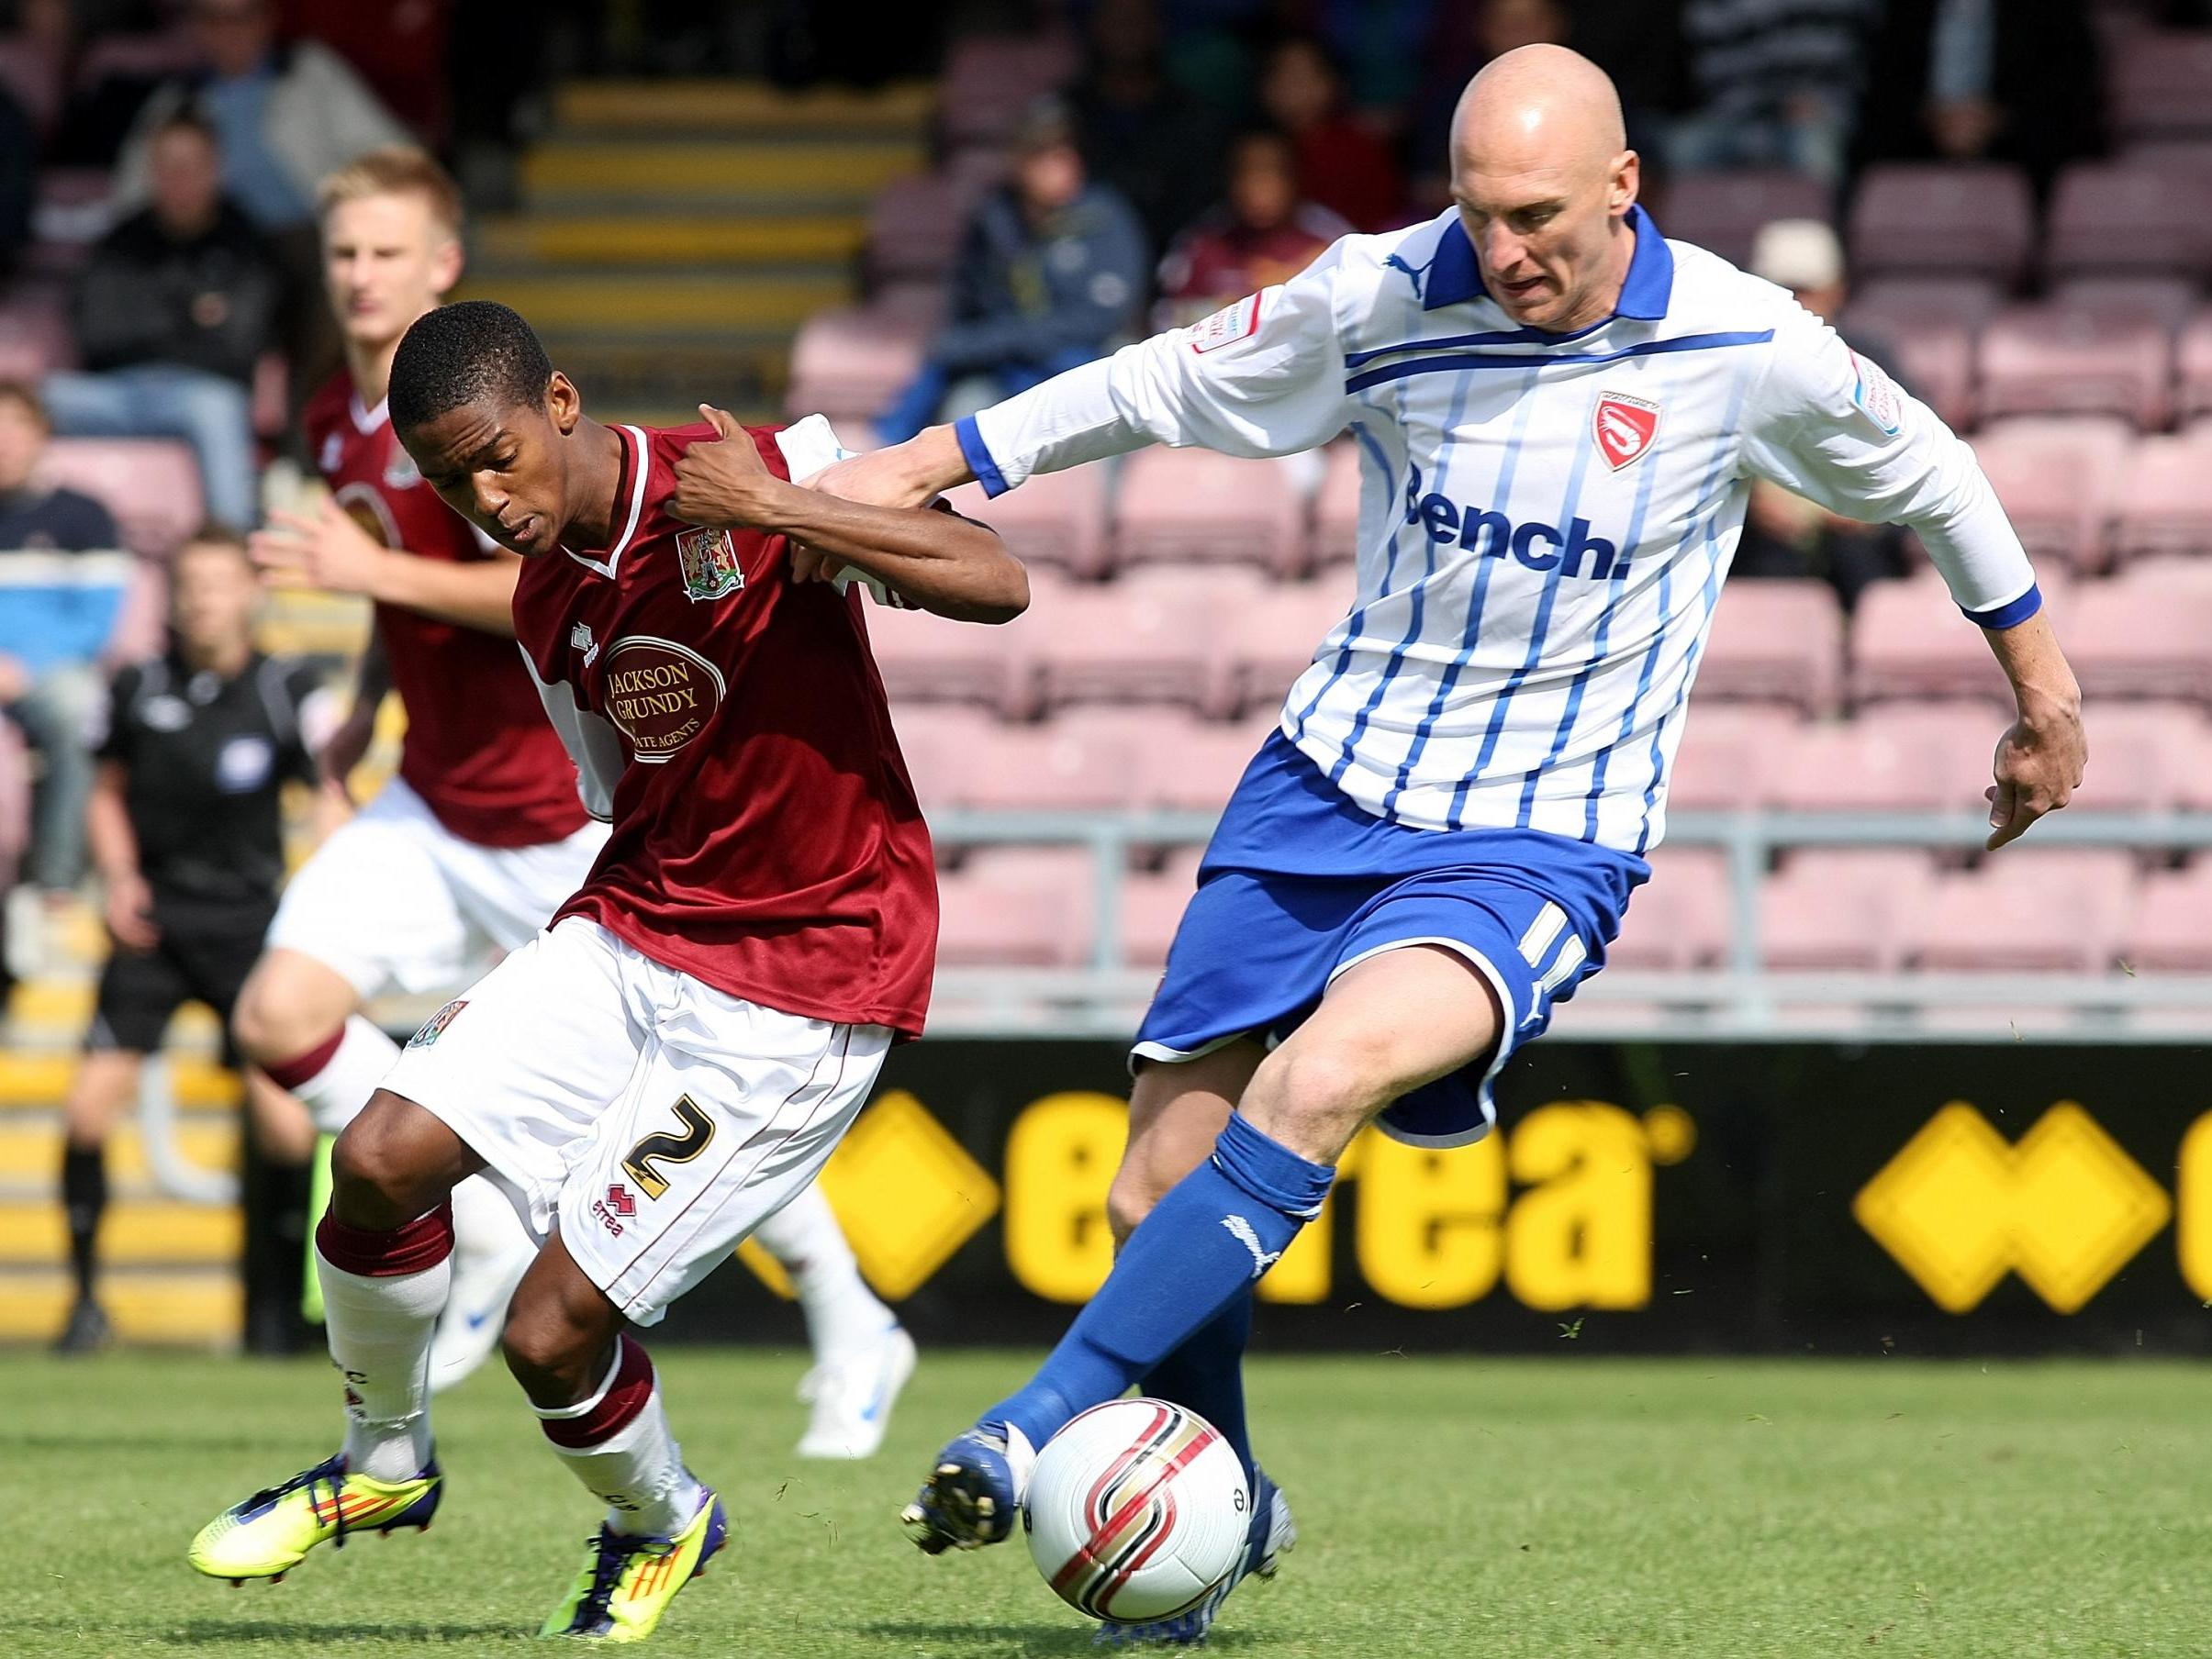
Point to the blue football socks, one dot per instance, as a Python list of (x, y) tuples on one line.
[(1200, 1251), (1207, 1374)]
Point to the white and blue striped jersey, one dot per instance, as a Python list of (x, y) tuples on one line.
[(1545, 519)]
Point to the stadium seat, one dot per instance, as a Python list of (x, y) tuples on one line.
[(1933, 218), (2045, 359), (1968, 301), (1055, 520), (2114, 218), (2163, 499), (2141, 633), (1337, 507), (1724, 211), (929, 659), (1016, 908), (1151, 637), (1776, 641), (1185, 764), (1273, 639), (1898, 758), (1682, 917), (150, 484), (989, 80), (1152, 906), (2192, 390), (1909, 641), (2155, 87), (2056, 478), (2061, 909), (33, 334), (914, 227), (34, 76), (2145, 757), (1191, 506), (2172, 928), (1721, 764), (938, 742), (914, 299), (2189, 159), (1077, 762), (852, 361), (1839, 910), (2163, 300)]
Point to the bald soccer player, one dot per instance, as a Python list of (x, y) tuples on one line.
[(1559, 415)]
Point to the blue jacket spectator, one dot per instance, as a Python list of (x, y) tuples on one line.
[(1053, 270)]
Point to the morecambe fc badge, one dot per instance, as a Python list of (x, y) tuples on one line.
[(709, 560)]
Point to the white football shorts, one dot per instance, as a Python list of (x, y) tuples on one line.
[(395, 901), (653, 1121)]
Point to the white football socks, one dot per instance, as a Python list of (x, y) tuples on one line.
[(844, 1316), (336, 1092), (381, 1296), (618, 1444)]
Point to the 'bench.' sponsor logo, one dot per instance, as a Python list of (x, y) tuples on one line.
[(1572, 552), (661, 695)]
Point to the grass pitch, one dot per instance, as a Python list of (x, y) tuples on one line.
[(1561, 1507)]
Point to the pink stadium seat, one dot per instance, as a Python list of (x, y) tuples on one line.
[(852, 361), (143, 624), (1968, 301), (2045, 360), (2144, 757), (1016, 908), (2156, 84), (30, 72), (1152, 906), (1337, 507), (914, 227), (938, 741), (2188, 158), (1077, 763), (150, 484), (1682, 918), (2172, 929), (2110, 218), (1724, 211), (15, 803), (1843, 909), (2164, 499), (1722, 764), (2141, 633), (1902, 758), (1055, 520), (914, 299), (2056, 478), (929, 659), (1273, 639), (2193, 395), (1776, 641), (2048, 908), (33, 334), (1191, 506), (2165, 301), (1152, 636), (1930, 217), (1191, 765), (989, 80), (1909, 641)]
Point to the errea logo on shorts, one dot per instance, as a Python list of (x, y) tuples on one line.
[(616, 1207)]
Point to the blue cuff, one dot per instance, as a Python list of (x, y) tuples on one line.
[(2008, 616), (977, 454)]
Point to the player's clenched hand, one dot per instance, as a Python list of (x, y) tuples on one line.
[(130, 913), (879, 478), (2038, 767), (325, 550), (724, 485)]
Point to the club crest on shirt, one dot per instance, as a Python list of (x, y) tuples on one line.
[(708, 559), (434, 1027), (1624, 428)]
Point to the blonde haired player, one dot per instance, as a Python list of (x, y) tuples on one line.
[(480, 837)]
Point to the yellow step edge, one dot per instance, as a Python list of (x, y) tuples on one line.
[(196, 1308), (642, 172), (62, 1007), (674, 304), (690, 105), (611, 238), (33, 1156), (158, 1231), (28, 1079)]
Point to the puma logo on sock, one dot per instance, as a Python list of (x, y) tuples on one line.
[(1261, 1259)]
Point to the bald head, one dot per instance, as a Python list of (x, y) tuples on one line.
[(1543, 177)]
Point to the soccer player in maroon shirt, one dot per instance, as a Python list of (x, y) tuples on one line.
[(480, 839), (680, 1054)]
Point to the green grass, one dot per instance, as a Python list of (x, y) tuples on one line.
[(1563, 1506)]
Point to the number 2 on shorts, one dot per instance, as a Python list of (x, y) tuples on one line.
[(667, 1148)]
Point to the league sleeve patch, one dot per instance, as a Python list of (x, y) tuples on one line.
[(434, 1027), (1227, 326), (1877, 396)]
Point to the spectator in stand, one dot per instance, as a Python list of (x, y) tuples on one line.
[(286, 114), (1347, 168), (1265, 233), (1141, 133), (53, 626), (1053, 270), (186, 832), (1971, 81), (1785, 535), (173, 313), (1777, 84)]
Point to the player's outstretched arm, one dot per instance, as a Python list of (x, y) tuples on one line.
[(328, 551), (2039, 759), (937, 561)]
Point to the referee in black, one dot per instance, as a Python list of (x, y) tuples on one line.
[(184, 829)]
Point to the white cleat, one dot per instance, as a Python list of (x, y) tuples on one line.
[(492, 1251), (853, 1397)]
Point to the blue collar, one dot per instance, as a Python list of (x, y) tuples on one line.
[(1455, 276)]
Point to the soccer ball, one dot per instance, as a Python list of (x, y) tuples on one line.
[(1136, 1511)]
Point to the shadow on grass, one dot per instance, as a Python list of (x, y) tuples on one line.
[(105, 1443), (1026, 1638), (218, 1634)]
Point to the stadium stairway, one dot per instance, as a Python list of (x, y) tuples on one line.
[(675, 234)]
